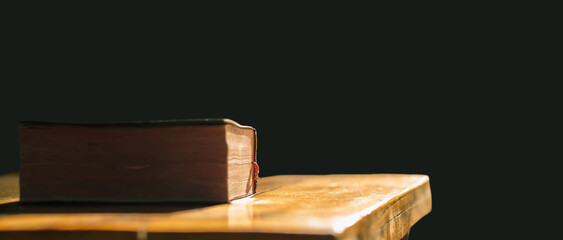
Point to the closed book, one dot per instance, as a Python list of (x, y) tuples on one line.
[(194, 160)]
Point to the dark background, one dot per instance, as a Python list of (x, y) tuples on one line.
[(326, 95)]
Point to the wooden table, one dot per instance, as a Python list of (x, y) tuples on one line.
[(376, 206)]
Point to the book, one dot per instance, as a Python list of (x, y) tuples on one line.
[(194, 160)]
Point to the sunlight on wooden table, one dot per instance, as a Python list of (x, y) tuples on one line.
[(374, 206)]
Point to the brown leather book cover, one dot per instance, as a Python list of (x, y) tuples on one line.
[(201, 160)]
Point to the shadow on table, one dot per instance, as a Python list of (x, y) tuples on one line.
[(96, 207)]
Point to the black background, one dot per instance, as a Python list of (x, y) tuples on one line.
[(326, 97)]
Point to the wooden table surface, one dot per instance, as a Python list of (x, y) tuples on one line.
[(375, 206)]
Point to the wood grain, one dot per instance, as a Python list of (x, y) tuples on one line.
[(376, 206)]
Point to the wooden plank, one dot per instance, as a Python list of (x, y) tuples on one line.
[(375, 206), (9, 188)]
